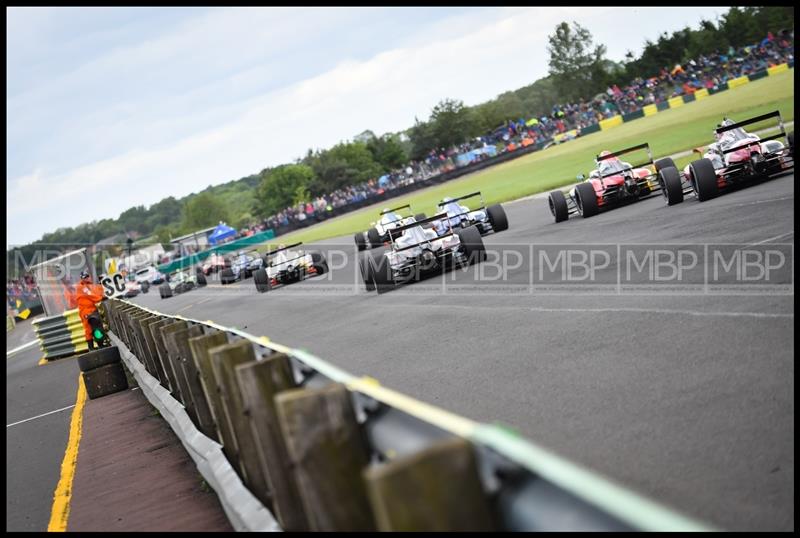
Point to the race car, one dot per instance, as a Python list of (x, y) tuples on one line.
[(486, 219), (215, 263), (611, 184), (285, 266), (417, 249), (241, 267), (133, 287), (378, 234), (181, 282), (735, 158)]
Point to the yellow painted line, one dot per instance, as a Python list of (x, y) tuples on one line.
[(60, 512), (675, 102), (700, 94), (734, 82), (650, 110), (777, 68), (43, 361)]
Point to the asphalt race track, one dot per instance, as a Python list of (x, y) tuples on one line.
[(681, 392)]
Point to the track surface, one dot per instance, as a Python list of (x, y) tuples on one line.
[(685, 397)]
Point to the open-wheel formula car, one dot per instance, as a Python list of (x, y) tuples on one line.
[(285, 266), (378, 234), (486, 219), (241, 266), (215, 263), (611, 184), (181, 282), (735, 158), (417, 249)]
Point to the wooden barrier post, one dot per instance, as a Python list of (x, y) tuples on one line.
[(200, 346), (160, 356), (223, 360), (149, 341), (328, 454), (205, 421), (138, 329), (169, 359), (259, 382), (437, 489), (172, 342)]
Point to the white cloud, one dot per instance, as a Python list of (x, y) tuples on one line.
[(180, 139)]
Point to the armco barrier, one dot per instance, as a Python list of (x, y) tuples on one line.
[(306, 446), (61, 335)]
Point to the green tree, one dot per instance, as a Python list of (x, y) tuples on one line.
[(451, 123), (279, 187), (576, 64), (202, 211), (388, 152)]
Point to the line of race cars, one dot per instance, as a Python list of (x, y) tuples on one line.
[(735, 158), (404, 247)]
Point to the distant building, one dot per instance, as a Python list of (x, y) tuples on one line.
[(193, 242), (364, 137)]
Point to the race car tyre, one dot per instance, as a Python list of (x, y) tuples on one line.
[(497, 216), (97, 358), (165, 291), (705, 179), (419, 216), (374, 238), (474, 249), (382, 274), (263, 282), (365, 264), (201, 280), (586, 200), (666, 162), (360, 242), (558, 206), (671, 186), (226, 276), (319, 262), (145, 287)]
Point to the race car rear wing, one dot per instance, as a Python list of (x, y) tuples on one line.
[(472, 195), (385, 211), (271, 252), (751, 121), (397, 232), (631, 149)]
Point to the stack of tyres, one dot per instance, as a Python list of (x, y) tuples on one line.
[(102, 372)]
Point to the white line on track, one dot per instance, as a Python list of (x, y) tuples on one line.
[(20, 348), (40, 416), (781, 236)]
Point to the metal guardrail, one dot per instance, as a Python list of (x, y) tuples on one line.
[(320, 449)]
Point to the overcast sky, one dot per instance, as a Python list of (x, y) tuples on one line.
[(108, 108)]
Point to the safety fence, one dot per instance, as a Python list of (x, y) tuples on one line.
[(289, 441), (61, 335), (194, 259)]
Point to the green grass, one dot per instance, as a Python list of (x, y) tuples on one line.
[(667, 132)]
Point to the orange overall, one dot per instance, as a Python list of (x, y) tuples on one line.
[(87, 295)]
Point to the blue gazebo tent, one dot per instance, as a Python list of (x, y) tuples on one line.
[(220, 233)]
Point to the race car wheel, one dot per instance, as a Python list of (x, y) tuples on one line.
[(263, 282), (419, 216), (671, 186), (472, 243), (497, 216), (586, 200), (366, 273), (381, 273), (201, 280), (145, 287), (704, 179), (226, 276), (319, 262), (360, 243), (666, 162), (165, 291), (374, 238), (558, 206)]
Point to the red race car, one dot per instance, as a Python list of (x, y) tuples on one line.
[(613, 183), (736, 157)]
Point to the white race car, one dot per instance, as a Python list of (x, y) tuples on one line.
[(181, 282), (379, 233), (285, 266), (417, 249), (486, 219), (241, 267)]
